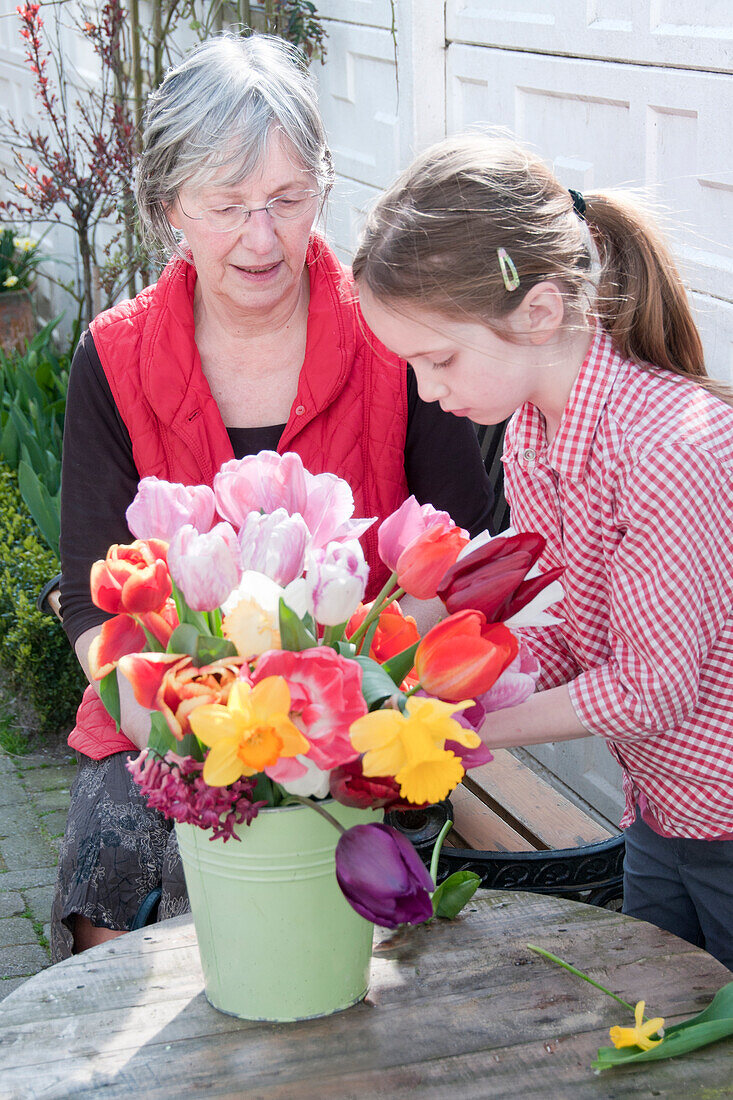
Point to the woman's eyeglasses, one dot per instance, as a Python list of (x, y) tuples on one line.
[(223, 219)]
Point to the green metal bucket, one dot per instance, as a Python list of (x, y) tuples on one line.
[(277, 938)]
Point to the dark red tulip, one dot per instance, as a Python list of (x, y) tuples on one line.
[(351, 787), (491, 578)]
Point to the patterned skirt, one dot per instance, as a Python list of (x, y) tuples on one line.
[(115, 851)]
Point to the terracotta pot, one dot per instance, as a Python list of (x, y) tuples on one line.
[(17, 323)]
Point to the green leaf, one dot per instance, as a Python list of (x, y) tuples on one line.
[(209, 648), (189, 746), (161, 740), (9, 445), (713, 1023), (453, 893), (376, 685), (109, 693), (184, 639), (345, 649), (294, 634), (398, 666)]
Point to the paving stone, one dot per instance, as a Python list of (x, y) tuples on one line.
[(11, 903), (28, 877), (27, 849), (16, 930), (47, 931), (12, 792), (7, 985), (23, 961), (32, 760), (49, 779), (55, 823), (39, 901), (51, 800), (18, 819)]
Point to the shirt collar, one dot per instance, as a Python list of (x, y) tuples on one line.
[(570, 449)]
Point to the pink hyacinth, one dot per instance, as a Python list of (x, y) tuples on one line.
[(160, 508), (175, 787)]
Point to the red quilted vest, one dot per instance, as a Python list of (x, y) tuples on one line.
[(349, 416)]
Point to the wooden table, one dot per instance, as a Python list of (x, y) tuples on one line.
[(458, 1009)]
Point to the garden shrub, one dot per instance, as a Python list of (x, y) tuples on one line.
[(36, 658)]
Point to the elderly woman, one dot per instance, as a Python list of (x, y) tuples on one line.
[(249, 340)]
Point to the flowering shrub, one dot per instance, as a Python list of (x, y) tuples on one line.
[(238, 621)]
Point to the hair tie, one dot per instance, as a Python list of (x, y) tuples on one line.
[(578, 202), (508, 271)]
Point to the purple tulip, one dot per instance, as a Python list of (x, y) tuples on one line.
[(382, 877)]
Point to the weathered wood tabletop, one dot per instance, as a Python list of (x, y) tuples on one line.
[(455, 1009)]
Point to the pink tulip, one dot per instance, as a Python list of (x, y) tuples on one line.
[(274, 544), (516, 683), (407, 525), (335, 582), (161, 507), (205, 567), (268, 481), (329, 510), (260, 483)]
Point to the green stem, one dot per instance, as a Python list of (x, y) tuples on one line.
[(215, 622), (314, 806), (375, 610), (437, 847), (579, 973), (413, 690)]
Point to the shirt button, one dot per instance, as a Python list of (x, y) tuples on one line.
[(530, 454), (299, 410)]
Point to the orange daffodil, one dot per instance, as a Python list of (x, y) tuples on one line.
[(251, 733), (638, 1036), (411, 747)]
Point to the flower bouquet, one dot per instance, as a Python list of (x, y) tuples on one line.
[(281, 702)]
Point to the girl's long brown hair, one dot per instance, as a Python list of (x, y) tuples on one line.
[(433, 240)]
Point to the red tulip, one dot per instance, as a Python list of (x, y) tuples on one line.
[(491, 579), (124, 634), (462, 656), (351, 787), (132, 578)]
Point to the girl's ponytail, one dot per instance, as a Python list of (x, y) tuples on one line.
[(641, 301)]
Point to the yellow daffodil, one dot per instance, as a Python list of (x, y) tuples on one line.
[(10, 281), (411, 747), (24, 244), (638, 1036), (252, 732)]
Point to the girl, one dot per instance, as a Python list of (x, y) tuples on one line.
[(510, 295)]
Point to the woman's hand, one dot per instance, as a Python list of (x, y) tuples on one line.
[(135, 720)]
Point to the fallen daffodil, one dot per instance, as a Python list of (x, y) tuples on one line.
[(640, 1034), (713, 1023)]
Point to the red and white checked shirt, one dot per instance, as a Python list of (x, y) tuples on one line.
[(635, 498)]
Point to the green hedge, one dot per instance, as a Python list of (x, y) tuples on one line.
[(37, 661)]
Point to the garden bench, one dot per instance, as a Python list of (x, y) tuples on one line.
[(518, 832)]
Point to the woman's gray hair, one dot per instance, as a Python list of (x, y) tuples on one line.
[(214, 111)]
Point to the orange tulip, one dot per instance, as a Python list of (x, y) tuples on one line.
[(395, 631), (172, 684), (133, 579), (463, 656)]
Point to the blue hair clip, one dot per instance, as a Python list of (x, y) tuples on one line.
[(508, 271)]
